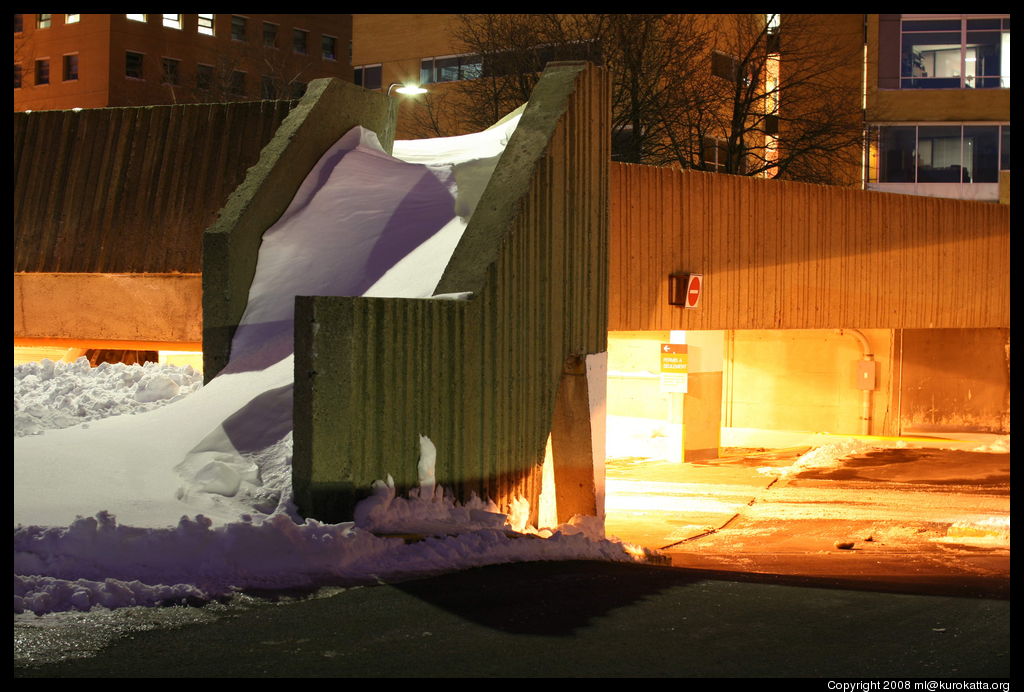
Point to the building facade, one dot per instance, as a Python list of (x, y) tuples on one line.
[(938, 105), (64, 61)]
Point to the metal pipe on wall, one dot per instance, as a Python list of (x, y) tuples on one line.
[(868, 357)]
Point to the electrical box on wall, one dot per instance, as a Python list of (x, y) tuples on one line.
[(685, 289), (866, 374)]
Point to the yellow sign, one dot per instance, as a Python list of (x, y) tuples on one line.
[(674, 366)]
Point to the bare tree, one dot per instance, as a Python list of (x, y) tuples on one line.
[(706, 92)]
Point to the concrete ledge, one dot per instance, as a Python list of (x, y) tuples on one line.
[(329, 109), (108, 309)]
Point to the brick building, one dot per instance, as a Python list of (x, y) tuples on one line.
[(66, 61)]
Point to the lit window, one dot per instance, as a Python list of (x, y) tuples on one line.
[(43, 21), (238, 28), (300, 41), (269, 35), (451, 68), (330, 47), (961, 53), (133, 65), (942, 153), (204, 76), (171, 71), (70, 67), (72, 18), (17, 76), (42, 71), (136, 17), (205, 25), (172, 21), (367, 76)]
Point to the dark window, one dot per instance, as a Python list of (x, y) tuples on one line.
[(367, 76), (42, 71), (896, 146), (268, 88), (297, 89), (133, 65), (43, 21), (715, 153), (1004, 149), (942, 153), (171, 70), (330, 47), (17, 76), (771, 124), (980, 159), (70, 67), (724, 66), (237, 83), (300, 41), (204, 76), (19, 24), (450, 69), (238, 28), (269, 35)]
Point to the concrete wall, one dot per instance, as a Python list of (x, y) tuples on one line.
[(142, 311), (798, 379), (479, 377), (329, 109), (785, 255), (129, 190), (955, 380)]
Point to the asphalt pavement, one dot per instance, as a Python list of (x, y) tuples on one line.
[(572, 619), (751, 584)]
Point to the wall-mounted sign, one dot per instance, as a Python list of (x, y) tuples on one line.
[(685, 289), (674, 368)]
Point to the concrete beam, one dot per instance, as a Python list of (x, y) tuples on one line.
[(329, 109)]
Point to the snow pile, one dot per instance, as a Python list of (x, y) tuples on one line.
[(1001, 445), (49, 395), (987, 531), (829, 456), (97, 562)]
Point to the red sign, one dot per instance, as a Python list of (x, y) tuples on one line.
[(693, 288)]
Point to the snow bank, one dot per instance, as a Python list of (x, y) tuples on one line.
[(49, 395)]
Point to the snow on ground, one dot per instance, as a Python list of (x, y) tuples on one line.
[(135, 485)]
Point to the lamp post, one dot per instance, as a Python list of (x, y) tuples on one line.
[(407, 90)]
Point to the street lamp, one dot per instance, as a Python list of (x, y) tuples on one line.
[(407, 90)]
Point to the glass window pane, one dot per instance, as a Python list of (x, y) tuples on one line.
[(427, 71), (931, 60), (471, 67), (447, 69), (938, 154), (983, 24), (932, 25), (1004, 150), (896, 146), (371, 77), (982, 59), (981, 153)]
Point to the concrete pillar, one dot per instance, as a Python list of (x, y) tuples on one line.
[(572, 444), (702, 402)]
